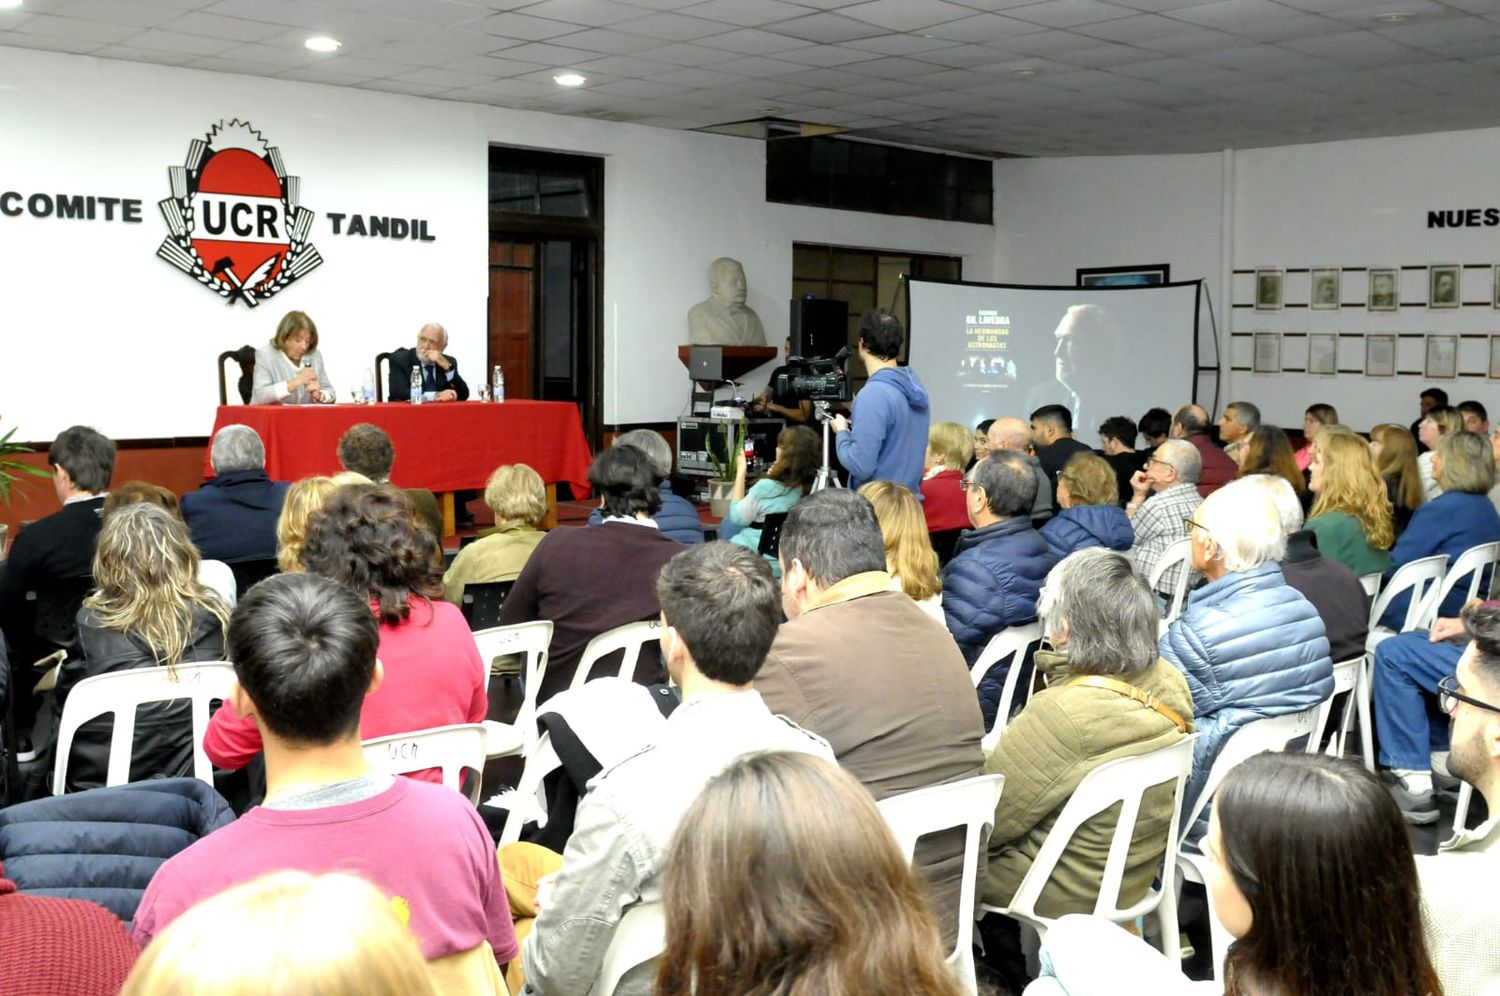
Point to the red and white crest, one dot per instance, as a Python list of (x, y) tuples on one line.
[(233, 219)]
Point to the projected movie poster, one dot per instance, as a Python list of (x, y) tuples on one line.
[(986, 350)]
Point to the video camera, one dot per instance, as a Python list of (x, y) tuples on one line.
[(816, 378)]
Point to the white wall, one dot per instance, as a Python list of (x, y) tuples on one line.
[(1346, 204), (92, 304)]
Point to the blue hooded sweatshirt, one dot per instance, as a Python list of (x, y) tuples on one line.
[(888, 438), (1083, 526)]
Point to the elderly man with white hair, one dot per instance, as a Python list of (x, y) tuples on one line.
[(233, 516), (1250, 644), (1170, 478), (440, 379)]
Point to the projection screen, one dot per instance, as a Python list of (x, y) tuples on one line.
[(988, 350)]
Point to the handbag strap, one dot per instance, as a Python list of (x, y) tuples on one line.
[(1140, 695)]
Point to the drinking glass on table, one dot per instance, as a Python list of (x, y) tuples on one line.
[(368, 386)]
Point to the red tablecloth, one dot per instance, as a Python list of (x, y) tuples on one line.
[(442, 447)]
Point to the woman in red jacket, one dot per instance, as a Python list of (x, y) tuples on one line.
[(950, 447)]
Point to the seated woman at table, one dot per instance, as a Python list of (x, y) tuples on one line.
[(289, 369), (518, 497), (367, 538)]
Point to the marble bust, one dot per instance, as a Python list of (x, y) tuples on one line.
[(724, 320)]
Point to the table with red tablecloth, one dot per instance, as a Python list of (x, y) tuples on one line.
[(443, 446)]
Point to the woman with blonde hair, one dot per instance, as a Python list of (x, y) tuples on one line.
[(149, 610), (950, 449), (1395, 451), (214, 573), (303, 498), (824, 901), (1088, 494), (287, 932), (909, 556), (289, 369), (1439, 423), (1351, 515), (518, 497)]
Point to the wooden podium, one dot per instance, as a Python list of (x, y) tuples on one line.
[(738, 360)]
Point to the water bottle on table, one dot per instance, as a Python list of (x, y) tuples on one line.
[(416, 384), (497, 384)]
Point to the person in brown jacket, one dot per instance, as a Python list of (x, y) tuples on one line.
[(868, 670), (1101, 618)]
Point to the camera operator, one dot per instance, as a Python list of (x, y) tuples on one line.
[(887, 440), (796, 410)]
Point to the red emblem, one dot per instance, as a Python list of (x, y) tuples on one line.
[(233, 219)]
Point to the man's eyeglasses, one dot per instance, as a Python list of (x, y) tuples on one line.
[(1191, 525), (1449, 697), (964, 484)]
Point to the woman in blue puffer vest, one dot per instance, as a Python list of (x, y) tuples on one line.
[(1091, 515)]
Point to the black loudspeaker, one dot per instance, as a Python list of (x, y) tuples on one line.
[(820, 328)]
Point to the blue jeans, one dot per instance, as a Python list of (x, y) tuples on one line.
[(1407, 672)]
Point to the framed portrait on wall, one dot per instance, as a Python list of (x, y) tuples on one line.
[(1495, 357), (1442, 357), (1325, 290), (1268, 290), (1443, 285), (1267, 353), (1380, 356), (1322, 354), (1147, 275), (1495, 287), (1384, 289)]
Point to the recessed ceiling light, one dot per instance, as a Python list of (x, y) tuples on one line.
[(1024, 72), (1395, 17), (569, 79), (322, 43)]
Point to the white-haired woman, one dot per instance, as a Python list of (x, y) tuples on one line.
[(1250, 644), (150, 610)]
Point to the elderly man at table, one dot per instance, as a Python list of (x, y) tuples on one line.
[(233, 516), (440, 379)]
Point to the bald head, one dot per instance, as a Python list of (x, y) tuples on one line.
[(1009, 434), (1190, 420)]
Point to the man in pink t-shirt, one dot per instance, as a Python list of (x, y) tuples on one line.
[(303, 648)]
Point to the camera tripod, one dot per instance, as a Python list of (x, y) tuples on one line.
[(826, 477)]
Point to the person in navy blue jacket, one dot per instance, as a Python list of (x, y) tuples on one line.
[(997, 570), (677, 517), (887, 439), (1090, 517), (233, 516)]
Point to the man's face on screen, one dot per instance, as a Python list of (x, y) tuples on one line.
[(1067, 346)]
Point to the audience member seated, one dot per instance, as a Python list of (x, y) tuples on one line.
[(1494, 494), (517, 496), (1461, 516), (1351, 515), (64, 946), (367, 450), (1344, 921), (1437, 424), (1268, 451), (214, 574), (950, 451), (1250, 644), (719, 614), (981, 441), (1160, 520), (367, 540), (917, 723), (1476, 418), (233, 515), (1089, 515), (1459, 883), (1333, 589), (1053, 443), (150, 610), (677, 518), (1117, 434), (1313, 420), (909, 557), (792, 473), (334, 935), (1155, 427), (996, 573), (589, 581), (822, 905), (289, 369), (304, 650), (304, 499), (1240, 418), (1011, 435), (1432, 397), (1216, 467), (1395, 452), (1109, 696)]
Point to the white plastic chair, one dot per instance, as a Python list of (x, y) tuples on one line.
[(1371, 583), (451, 748), (1461, 808), (1421, 579), (629, 638), (1257, 737), (531, 639), (1123, 782), (528, 799), (969, 804), (1345, 679), (1013, 643), (1470, 564), (640, 936), (121, 693), (1180, 552)]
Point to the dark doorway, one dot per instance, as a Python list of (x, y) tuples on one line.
[(546, 278)]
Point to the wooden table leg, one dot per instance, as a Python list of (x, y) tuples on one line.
[(445, 502)]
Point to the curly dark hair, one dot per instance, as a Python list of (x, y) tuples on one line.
[(367, 538), (367, 449), (798, 458)]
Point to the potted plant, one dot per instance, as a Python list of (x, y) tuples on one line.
[(10, 473), (721, 485)]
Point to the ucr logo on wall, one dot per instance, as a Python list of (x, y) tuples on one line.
[(234, 221)]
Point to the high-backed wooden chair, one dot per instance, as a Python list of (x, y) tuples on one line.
[(245, 357)]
